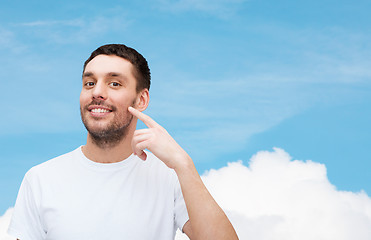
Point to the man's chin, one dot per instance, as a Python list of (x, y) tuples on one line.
[(98, 131), (97, 124)]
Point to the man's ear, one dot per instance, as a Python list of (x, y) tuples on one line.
[(142, 100)]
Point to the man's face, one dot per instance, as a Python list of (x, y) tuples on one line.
[(109, 88)]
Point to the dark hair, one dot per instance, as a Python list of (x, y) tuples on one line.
[(141, 69)]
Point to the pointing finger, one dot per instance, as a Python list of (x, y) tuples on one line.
[(143, 117)]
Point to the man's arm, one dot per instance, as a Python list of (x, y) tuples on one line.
[(206, 219)]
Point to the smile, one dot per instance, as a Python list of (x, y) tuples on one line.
[(99, 110)]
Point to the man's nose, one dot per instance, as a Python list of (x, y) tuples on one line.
[(99, 91)]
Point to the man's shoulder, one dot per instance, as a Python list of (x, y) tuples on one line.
[(55, 164)]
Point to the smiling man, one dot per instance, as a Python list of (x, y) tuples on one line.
[(112, 188)]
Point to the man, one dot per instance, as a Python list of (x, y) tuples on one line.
[(111, 188)]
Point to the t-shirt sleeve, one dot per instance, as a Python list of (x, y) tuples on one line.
[(25, 223), (181, 214)]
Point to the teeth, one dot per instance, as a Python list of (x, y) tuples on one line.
[(99, 110)]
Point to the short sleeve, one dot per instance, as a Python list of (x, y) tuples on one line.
[(180, 209), (25, 223)]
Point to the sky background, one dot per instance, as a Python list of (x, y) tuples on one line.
[(229, 79)]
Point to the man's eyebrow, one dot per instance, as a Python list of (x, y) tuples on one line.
[(110, 74), (87, 74), (115, 74), (119, 76)]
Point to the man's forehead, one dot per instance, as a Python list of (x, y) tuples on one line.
[(108, 63), (108, 74)]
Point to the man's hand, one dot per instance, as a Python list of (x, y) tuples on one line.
[(206, 219), (157, 140)]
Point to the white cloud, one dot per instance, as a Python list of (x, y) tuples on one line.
[(4, 223), (278, 198)]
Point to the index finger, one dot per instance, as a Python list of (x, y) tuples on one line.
[(143, 117)]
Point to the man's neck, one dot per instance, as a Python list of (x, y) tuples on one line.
[(111, 154)]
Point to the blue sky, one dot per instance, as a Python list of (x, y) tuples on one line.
[(229, 78)]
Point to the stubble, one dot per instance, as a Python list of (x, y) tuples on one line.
[(113, 133)]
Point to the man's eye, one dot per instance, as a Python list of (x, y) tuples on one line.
[(89, 84), (115, 84)]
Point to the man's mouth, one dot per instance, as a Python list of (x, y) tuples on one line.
[(100, 110)]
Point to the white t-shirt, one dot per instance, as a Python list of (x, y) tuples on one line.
[(71, 197)]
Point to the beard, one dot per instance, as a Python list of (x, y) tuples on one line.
[(110, 135)]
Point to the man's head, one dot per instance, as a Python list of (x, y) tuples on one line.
[(140, 71), (114, 78)]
